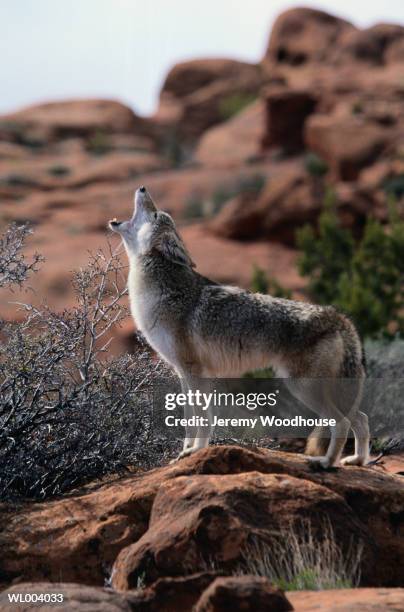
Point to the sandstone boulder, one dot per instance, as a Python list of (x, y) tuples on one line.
[(165, 595), (171, 594), (46, 597), (203, 518), (238, 259), (235, 141), (186, 77), (381, 181), (392, 464), (287, 201), (348, 600), (239, 219), (201, 93), (11, 151), (371, 45), (290, 200), (304, 35), (214, 498), (395, 52), (247, 593), (74, 171), (347, 143), (213, 104), (77, 538), (45, 123)]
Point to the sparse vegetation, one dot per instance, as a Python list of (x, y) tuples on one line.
[(357, 107), (253, 183), (385, 359), (372, 291), (365, 278), (195, 207), (315, 165), (325, 255), (264, 373), (220, 197), (57, 380), (259, 281), (394, 187), (296, 560), (99, 143), (384, 392), (172, 149), (231, 105), (59, 170), (19, 133), (262, 283), (18, 180), (14, 266), (385, 446)]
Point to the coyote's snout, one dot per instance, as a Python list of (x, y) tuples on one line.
[(206, 330)]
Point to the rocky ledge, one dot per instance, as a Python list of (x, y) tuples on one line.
[(249, 593), (182, 529)]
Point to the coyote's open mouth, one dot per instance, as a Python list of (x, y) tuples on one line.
[(114, 222), (144, 207)]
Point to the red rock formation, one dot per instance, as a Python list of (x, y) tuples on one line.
[(348, 600), (160, 522), (304, 35), (324, 86), (286, 111), (234, 142), (57, 120), (173, 594), (371, 46), (287, 201), (247, 593), (347, 143), (193, 95)]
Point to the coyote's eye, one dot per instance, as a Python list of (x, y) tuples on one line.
[(155, 215)]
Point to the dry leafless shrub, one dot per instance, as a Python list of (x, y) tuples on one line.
[(14, 267), (297, 560), (70, 412)]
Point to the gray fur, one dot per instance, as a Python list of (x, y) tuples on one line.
[(203, 329)]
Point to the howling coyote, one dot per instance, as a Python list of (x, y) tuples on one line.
[(207, 330)]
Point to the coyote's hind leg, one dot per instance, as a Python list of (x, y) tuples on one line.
[(339, 434), (360, 427), (318, 395)]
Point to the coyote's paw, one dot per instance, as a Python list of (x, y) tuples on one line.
[(319, 463), (354, 460), (184, 453)]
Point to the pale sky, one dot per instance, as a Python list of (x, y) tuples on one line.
[(122, 49)]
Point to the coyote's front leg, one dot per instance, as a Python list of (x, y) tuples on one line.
[(198, 443), (195, 437)]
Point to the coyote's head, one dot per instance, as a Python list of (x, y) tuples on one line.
[(151, 231)]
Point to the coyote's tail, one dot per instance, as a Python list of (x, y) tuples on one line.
[(317, 442), (349, 386)]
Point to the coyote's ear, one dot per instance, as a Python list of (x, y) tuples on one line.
[(171, 246)]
